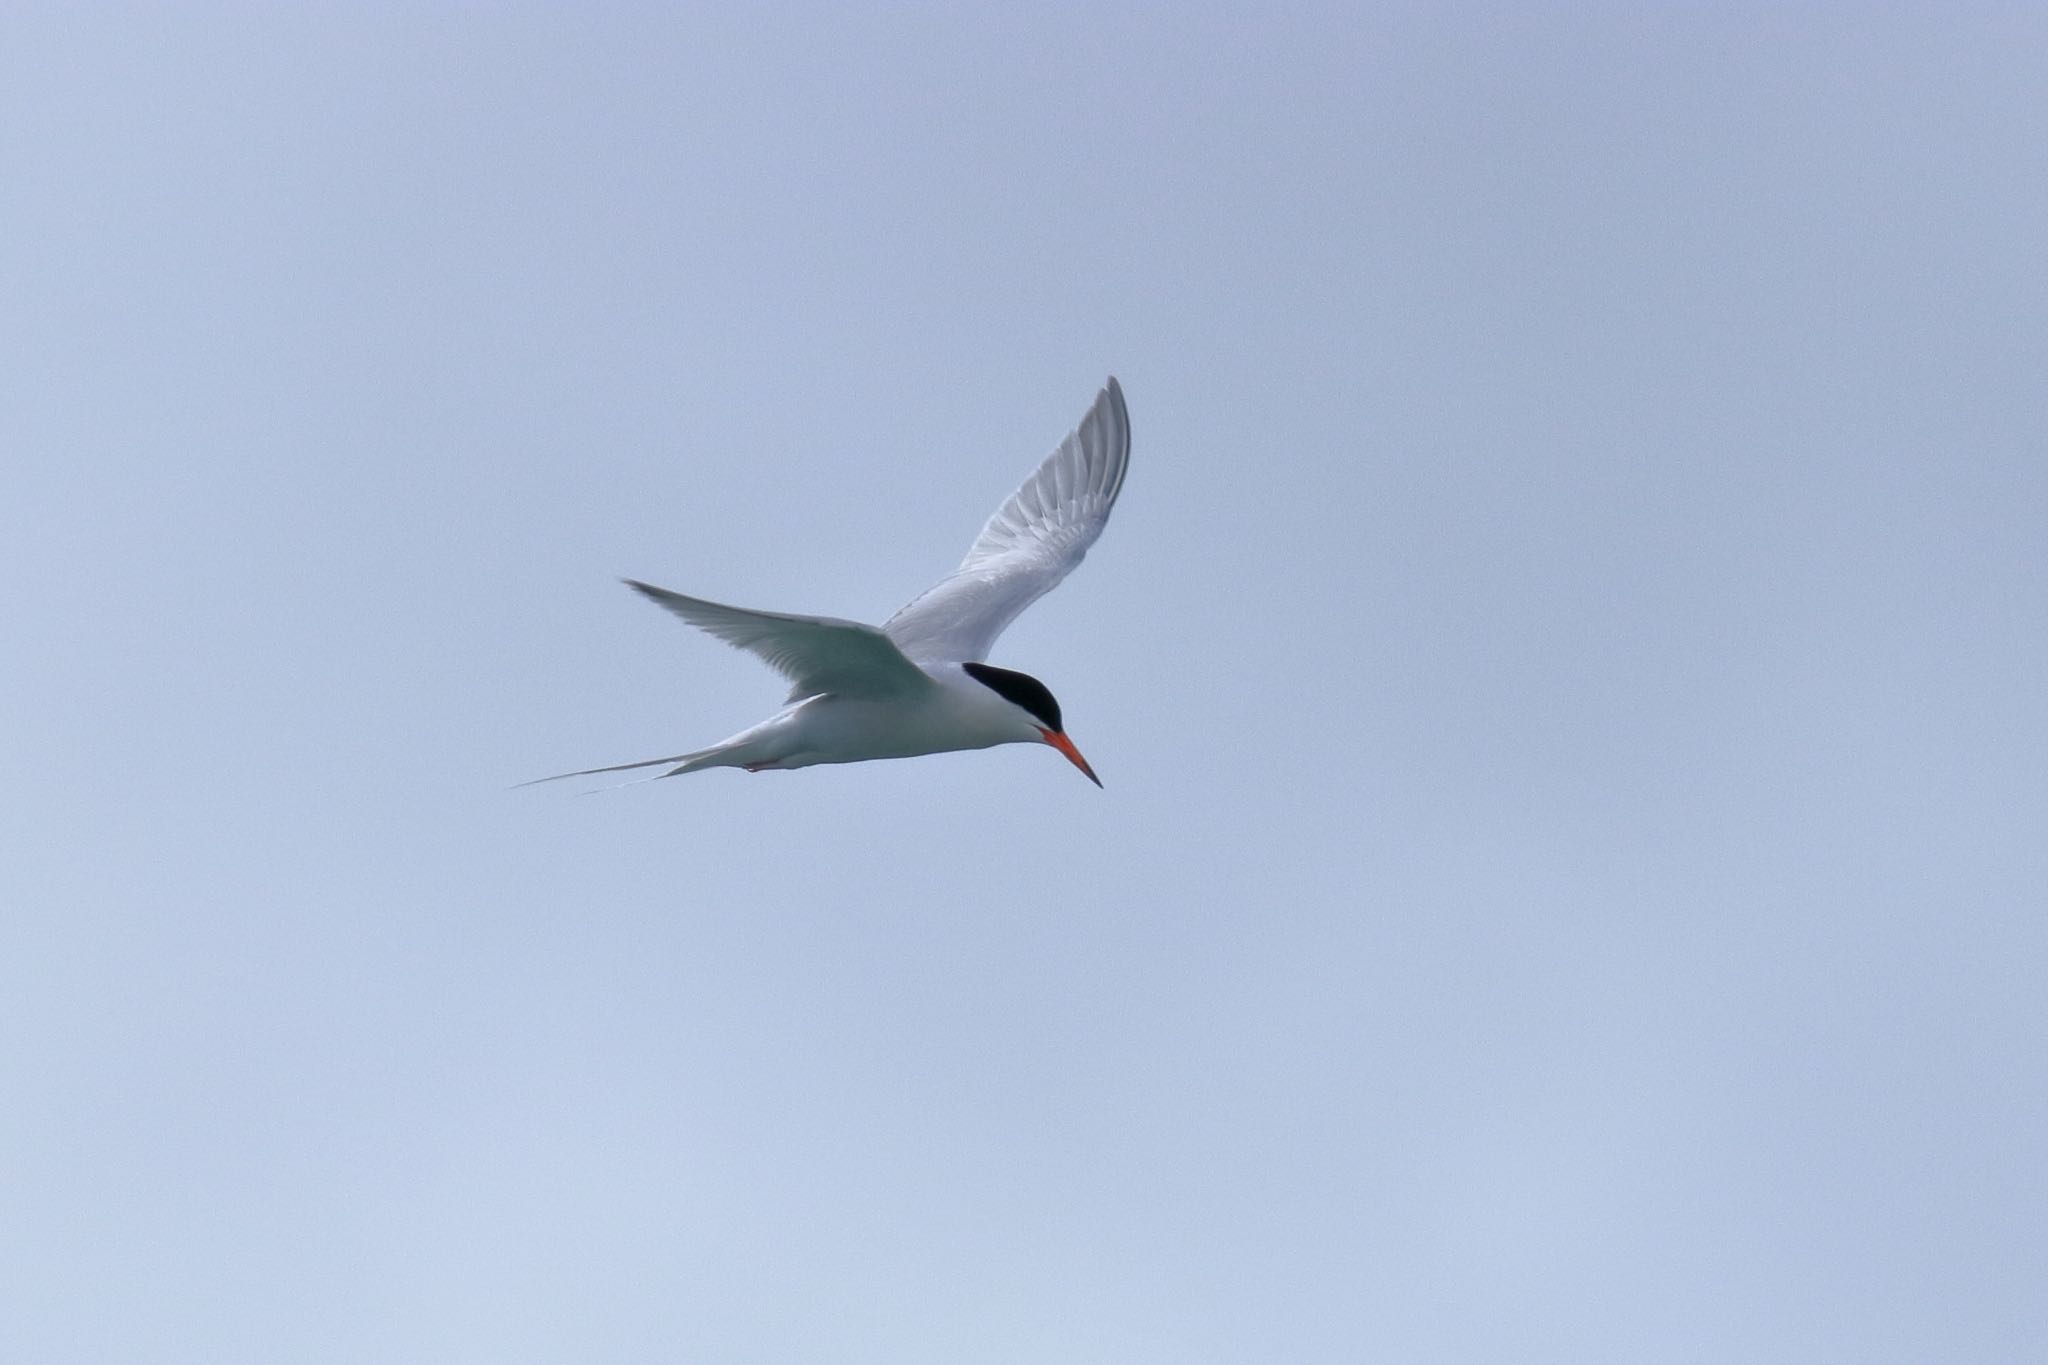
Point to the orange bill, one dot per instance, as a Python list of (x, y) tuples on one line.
[(1059, 741)]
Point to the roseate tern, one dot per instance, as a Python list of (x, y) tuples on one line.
[(919, 683)]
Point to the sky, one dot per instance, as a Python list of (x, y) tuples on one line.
[(1567, 670)]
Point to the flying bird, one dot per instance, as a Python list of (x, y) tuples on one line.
[(919, 683)]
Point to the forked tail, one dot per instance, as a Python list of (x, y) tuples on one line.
[(717, 756)]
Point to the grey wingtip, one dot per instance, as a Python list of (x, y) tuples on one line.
[(1114, 392), (648, 591)]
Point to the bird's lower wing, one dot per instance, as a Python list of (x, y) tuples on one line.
[(818, 654)]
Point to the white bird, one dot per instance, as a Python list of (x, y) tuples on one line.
[(918, 684)]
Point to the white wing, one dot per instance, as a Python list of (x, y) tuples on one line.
[(1032, 542), (816, 653)]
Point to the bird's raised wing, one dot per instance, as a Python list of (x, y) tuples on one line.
[(1032, 542), (817, 654)]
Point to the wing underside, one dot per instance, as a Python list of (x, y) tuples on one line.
[(1032, 542), (818, 654)]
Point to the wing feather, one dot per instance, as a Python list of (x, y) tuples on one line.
[(818, 654), (1032, 542)]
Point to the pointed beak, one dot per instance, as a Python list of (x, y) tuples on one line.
[(1059, 741)]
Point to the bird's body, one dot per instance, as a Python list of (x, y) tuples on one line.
[(954, 712), (917, 685)]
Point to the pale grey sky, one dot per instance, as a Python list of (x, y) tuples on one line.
[(1567, 669)]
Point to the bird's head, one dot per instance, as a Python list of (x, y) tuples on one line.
[(1039, 711)]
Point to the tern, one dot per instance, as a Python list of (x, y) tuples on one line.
[(920, 683)]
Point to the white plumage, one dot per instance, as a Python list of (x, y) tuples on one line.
[(917, 685)]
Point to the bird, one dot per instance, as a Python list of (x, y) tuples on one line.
[(920, 683)]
